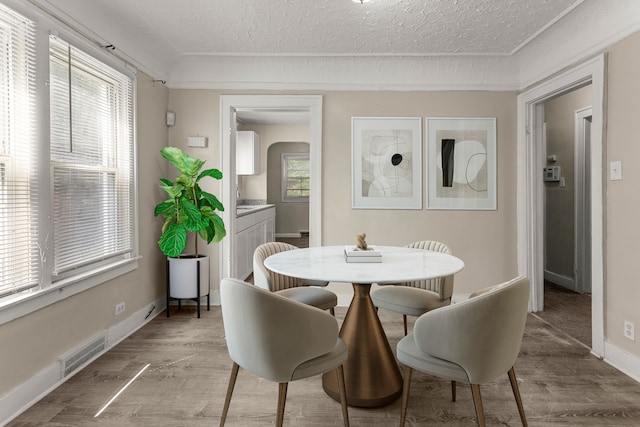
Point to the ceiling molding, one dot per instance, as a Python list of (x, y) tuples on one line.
[(579, 30)]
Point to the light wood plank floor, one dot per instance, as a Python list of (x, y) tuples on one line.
[(561, 383), (568, 311)]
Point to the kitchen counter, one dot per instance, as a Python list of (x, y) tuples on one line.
[(243, 210)]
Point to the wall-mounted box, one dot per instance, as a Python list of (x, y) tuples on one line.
[(247, 153), (552, 174), (197, 141)]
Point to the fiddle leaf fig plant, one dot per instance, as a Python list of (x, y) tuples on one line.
[(188, 208)]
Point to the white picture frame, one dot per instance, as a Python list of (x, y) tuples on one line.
[(386, 155), (468, 178)]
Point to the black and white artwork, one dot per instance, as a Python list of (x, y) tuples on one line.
[(386, 161), (461, 159)]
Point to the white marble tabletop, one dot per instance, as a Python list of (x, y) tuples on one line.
[(399, 264)]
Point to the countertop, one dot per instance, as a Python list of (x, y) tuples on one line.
[(243, 210)]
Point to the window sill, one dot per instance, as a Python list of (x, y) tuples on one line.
[(22, 304)]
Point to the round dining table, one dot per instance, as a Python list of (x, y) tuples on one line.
[(372, 375)]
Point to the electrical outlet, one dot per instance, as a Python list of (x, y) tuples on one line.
[(629, 330), (120, 308)]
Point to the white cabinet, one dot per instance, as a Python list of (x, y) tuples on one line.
[(247, 153), (253, 230)]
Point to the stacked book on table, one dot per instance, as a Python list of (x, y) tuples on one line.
[(355, 254)]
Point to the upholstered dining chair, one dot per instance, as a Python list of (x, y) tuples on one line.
[(416, 298), (278, 339), (306, 292), (474, 341)]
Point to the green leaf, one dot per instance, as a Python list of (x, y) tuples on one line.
[(212, 201), (192, 166), (190, 215), (166, 182), (175, 156), (220, 231), (173, 191), (166, 208), (173, 241), (213, 173), (215, 231)]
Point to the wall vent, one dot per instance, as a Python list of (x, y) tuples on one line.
[(79, 358)]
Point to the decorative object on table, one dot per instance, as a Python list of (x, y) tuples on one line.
[(386, 162), (188, 209), (361, 241), (474, 341), (419, 297), (461, 163), (287, 341), (304, 291), (362, 252)]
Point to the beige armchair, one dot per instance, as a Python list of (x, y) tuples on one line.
[(474, 341), (306, 292), (279, 340), (416, 298)]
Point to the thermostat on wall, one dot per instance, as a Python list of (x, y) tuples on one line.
[(552, 173), (197, 141)]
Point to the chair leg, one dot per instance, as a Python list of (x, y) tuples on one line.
[(343, 394), (404, 319), (405, 394), (453, 391), (282, 399), (477, 402), (516, 394), (227, 399)]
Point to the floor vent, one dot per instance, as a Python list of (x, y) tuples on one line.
[(78, 358)]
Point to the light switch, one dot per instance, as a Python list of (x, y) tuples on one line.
[(615, 171)]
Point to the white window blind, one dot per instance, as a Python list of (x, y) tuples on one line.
[(19, 252), (295, 177), (92, 161)]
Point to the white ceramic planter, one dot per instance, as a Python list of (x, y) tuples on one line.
[(183, 276)]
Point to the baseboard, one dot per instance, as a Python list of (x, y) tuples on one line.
[(288, 235), (48, 379), (558, 279), (624, 362)]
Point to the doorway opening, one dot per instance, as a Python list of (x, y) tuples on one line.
[(567, 275), (531, 163), (229, 106)]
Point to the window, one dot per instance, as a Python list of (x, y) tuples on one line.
[(19, 201), (91, 109), (67, 178), (295, 177)]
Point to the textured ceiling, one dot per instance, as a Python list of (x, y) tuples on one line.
[(329, 27)]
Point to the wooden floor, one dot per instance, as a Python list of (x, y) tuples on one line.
[(568, 311), (561, 383)]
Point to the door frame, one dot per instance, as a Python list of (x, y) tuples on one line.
[(582, 172), (530, 194), (228, 105)]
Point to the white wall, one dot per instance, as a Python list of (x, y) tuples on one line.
[(622, 293)]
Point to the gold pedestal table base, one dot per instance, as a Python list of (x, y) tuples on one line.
[(372, 376)]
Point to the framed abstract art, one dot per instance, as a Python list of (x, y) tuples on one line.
[(386, 155), (461, 163)]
